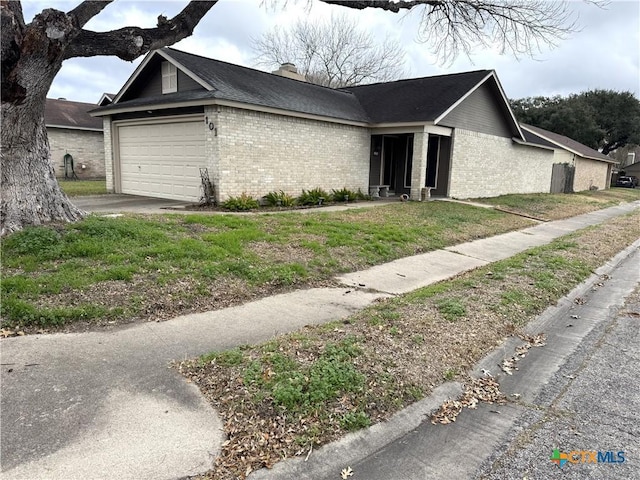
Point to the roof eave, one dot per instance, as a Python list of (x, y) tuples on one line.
[(531, 144), (565, 147), (69, 127), (113, 110)]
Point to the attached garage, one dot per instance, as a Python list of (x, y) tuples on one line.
[(161, 158)]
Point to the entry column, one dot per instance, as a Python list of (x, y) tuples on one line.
[(419, 164)]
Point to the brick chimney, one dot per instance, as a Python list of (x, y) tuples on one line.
[(289, 70)]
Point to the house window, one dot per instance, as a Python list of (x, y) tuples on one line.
[(169, 78)]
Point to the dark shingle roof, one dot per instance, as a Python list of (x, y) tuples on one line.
[(67, 114), (415, 99), (254, 87), (411, 100), (531, 137), (564, 142)]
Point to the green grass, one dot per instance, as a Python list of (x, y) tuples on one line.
[(300, 389), (562, 205), (326, 380), (451, 308), (77, 188), (44, 265)]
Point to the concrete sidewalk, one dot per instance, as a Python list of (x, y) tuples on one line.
[(105, 405), (409, 447)]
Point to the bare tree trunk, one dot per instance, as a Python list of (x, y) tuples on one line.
[(30, 192)]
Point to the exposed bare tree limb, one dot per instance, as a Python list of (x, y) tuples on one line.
[(130, 42), (518, 27), (335, 53)]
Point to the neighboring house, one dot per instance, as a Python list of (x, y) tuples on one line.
[(592, 168), (73, 132), (257, 132), (633, 169), (106, 99)]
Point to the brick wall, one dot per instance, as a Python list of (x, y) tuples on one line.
[(86, 148), (108, 153), (257, 153), (487, 166), (590, 173)]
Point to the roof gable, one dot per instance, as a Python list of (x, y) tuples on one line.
[(565, 143), (74, 115), (481, 110), (233, 83)]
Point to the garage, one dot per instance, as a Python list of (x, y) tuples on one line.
[(162, 159)]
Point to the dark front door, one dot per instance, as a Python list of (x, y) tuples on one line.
[(391, 157), (438, 163)]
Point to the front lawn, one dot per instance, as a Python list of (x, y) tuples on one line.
[(110, 270), (548, 206), (78, 188), (284, 397)]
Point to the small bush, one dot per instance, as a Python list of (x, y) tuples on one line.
[(241, 204), (314, 197), (344, 195), (279, 199)]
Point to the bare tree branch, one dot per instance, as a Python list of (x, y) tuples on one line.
[(335, 53), (513, 26), (130, 42)]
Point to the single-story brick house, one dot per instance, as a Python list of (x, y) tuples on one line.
[(592, 168), (72, 131), (258, 132)]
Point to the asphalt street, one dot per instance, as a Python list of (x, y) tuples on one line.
[(589, 413)]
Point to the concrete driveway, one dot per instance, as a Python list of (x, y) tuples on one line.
[(120, 203)]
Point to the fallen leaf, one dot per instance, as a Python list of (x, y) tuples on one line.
[(346, 473)]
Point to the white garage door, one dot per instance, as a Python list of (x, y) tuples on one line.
[(162, 160)]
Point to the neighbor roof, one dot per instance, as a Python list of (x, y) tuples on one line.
[(106, 99), (545, 137), (74, 115)]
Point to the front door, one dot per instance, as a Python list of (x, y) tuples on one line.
[(391, 160)]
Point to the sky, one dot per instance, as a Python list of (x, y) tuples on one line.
[(603, 54)]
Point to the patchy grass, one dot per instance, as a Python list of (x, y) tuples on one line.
[(78, 188), (281, 398), (562, 205), (103, 271)]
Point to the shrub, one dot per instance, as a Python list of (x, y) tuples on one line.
[(241, 204), (314, 197), (344, 195), (279, 199), (360, 195)]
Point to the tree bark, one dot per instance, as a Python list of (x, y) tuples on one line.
[(30, 192)]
